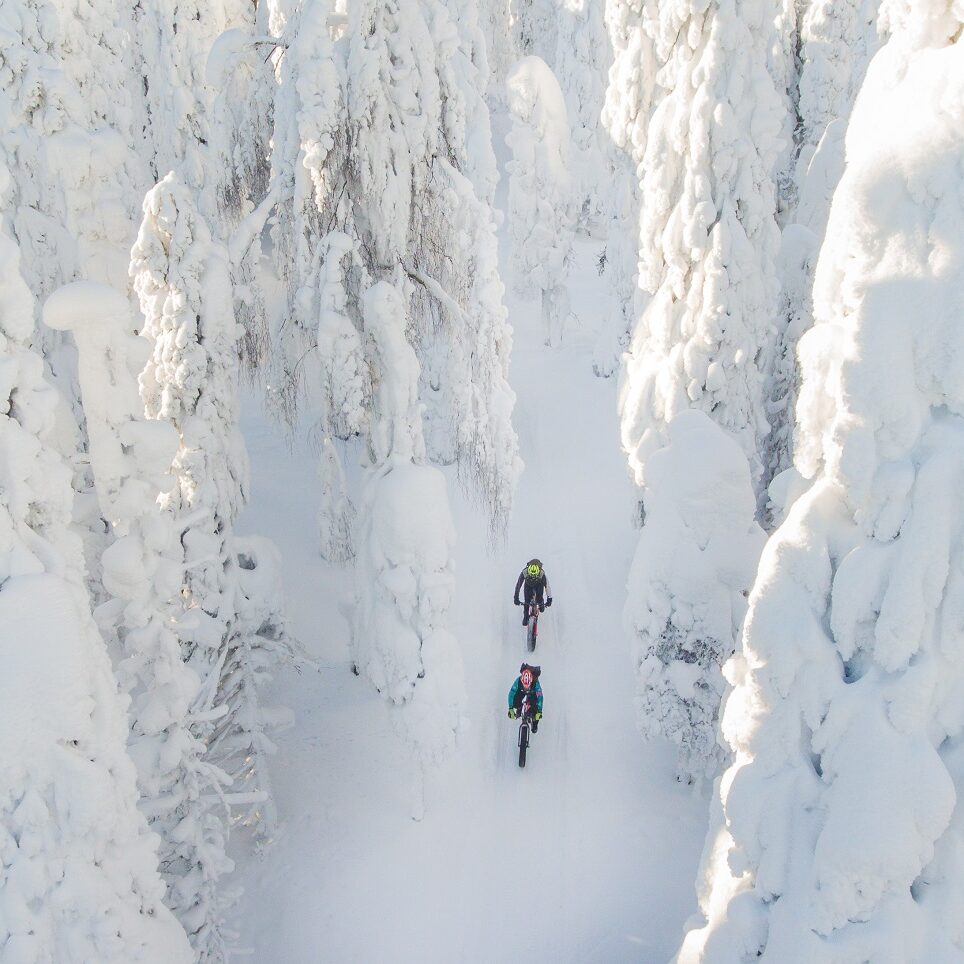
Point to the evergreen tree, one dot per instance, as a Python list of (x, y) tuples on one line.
[(182, 279), (372, 145), (708, 232), (837, 830), (143, 568), (78, 865), (688, 584), (404, 579), (541, 214)]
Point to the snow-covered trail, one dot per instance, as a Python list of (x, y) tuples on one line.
[(589, 853)]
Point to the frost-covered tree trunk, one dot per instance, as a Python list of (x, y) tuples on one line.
[(404, 538), (541, 215), (181, 277), (78, 866), (838, 834), (708, 234), (694, 565)]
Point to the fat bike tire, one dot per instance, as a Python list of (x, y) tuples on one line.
[(533, 632), (523, 743)]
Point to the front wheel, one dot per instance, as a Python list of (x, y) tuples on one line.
[(523, 743)]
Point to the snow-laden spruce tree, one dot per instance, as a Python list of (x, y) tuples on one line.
[(583, 58), (77, 863), (501, 49), (238, 75), (191, 380), (708, 235), (630, 96), (535, 24), (837, 41), (694, 565), (541, 209), (143, 571), (373, 144), (839, 834), (404, 541), (171, 48)]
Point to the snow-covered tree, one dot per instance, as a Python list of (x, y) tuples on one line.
[(404, 542), (182, 279), (536, 27), (839, 834), (629, 101), (541, 216), (239, 78), (172, 44), (583, 58), (837, 42), (501, 49), (374, 145), (143, 570), (78, 865), (708, 235), (694, 565)]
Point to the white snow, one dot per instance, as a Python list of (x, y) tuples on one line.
[(586, 854)]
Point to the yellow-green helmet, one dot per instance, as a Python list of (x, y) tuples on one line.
[(534, 569)]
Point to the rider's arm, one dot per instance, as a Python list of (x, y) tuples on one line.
[(538, 689), (545, 580), (518, 586), (512, 693)]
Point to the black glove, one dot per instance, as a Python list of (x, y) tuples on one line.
[(516, 601), (549, 601), (542, 607)]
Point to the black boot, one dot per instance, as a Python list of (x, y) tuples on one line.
[(535, 726), (525, 618)]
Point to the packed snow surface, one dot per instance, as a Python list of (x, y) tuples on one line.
[(589, 853)]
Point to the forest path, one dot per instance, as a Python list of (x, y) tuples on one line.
[(589, 853)]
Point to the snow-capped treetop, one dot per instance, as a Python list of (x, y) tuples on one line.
[(536, 100)]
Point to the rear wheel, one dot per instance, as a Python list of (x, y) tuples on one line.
[(533, 633), (523, 743)]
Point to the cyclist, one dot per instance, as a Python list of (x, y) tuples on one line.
[(526, 684), (533, 576)]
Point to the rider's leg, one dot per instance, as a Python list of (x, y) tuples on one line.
[(539, 598), (525, 606)]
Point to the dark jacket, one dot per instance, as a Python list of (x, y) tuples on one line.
[(532, 585)]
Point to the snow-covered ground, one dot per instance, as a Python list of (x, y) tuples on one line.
[(589, 854)]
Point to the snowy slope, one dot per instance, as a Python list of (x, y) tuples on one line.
[(589, 853)]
